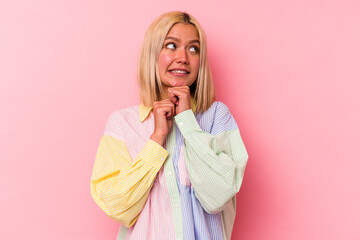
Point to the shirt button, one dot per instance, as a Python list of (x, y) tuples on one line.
[(168, 173), (181, 123)]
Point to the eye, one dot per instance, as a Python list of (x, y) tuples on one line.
[(170, 45), (194, 49)]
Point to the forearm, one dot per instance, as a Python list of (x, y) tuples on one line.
[(119, 185), (215, 164)]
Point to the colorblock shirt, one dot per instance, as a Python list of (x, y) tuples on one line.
[(183, 190)]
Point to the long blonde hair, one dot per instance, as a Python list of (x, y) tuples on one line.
[(148, 72)]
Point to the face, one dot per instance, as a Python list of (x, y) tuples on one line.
[(179, 58)]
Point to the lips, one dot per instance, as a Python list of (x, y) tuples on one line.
[(177, 72)]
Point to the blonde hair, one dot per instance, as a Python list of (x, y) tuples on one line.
[(148, 72)]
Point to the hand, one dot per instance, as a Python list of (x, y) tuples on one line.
[(180, 96), (164, 112)]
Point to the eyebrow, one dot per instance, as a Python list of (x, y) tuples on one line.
[(177, 40)]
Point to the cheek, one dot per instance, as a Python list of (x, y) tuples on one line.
[(164, 61), (196, 66)]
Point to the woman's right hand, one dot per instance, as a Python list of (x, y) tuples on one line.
[(164, 112)]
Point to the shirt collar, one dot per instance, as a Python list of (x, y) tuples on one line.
[(144, 111)]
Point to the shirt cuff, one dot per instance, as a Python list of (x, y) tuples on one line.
[(153, 153), (187, 123)]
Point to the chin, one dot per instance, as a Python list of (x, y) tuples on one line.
[(177, 83)]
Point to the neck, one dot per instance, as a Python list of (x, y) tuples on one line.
[(164, 94)]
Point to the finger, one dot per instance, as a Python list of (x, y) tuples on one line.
[(162, 103), (179, 92), (166, 108), (170, 111), (170, 122), (183, 98), (181, 89), (174, 96), (165, 102)]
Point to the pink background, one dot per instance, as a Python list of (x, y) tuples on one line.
[(288, 70)]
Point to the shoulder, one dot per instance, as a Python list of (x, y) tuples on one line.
[(218, 110), (120, 119), (221, 108), (222, 120), (124, 113)]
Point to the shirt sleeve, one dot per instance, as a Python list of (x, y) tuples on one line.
[(215, 163), (120, 185)]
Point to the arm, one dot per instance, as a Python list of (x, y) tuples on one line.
[(120, 185), (215, 163)]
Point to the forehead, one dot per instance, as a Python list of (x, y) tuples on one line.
[(183, 32)]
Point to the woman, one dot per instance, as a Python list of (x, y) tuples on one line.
[(170, 168)]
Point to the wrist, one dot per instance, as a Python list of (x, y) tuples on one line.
[(158, 138), (183, 108)]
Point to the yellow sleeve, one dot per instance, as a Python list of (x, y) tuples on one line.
[(120, 185)]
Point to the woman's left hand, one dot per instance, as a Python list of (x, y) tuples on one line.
[(180, 96)]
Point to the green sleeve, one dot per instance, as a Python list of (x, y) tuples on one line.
[(215, 163)]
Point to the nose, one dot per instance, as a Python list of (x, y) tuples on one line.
[(181, 56)]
